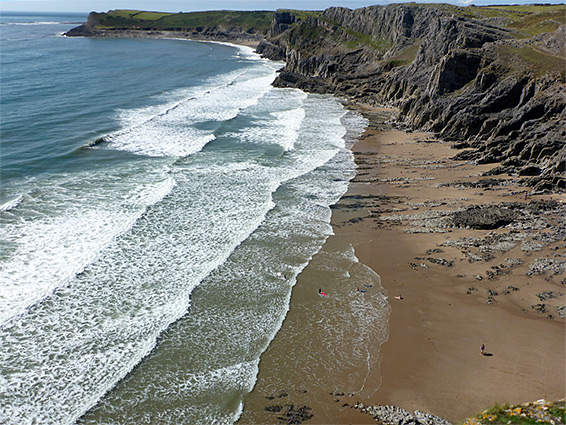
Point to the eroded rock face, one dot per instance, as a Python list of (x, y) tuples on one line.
[(465, 79)]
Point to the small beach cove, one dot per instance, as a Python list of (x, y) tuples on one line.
[(456, 292), (425, 260)]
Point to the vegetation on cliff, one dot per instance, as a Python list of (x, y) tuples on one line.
[(534, 413), (259, 21)]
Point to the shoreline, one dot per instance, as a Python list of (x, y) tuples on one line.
[(252, 42), (430, 362), (392, 215)]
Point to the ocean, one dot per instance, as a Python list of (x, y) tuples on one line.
[(158, 200)]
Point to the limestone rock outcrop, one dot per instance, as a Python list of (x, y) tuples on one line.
[(468, 78)]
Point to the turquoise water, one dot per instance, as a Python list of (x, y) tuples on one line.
[(204, 182)]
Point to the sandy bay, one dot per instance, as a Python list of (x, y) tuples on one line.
[(431, 360)]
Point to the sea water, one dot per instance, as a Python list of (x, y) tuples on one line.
[(158, 199)]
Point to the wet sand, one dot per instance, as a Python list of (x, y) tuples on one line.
[(431, 358)]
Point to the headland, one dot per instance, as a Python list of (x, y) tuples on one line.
[(458, 203)]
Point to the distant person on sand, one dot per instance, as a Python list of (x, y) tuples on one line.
[(482, 350), (363, 290), (399, 297), (321, 293)]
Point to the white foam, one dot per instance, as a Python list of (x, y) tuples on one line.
[(170, 130), (281, 130), (293, 120), (77, 344), (51, 250), (9, 205), (251, 277)]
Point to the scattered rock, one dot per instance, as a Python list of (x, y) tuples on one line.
[(541, 308), (544, 265), (532, 246), (546, 295), (391, 415), (295, 415), (441, 261), (472, 258), (510, 289), (513, 262)]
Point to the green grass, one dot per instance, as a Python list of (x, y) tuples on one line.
[(533, 413), (149, 16), (302, 15), (379, 44), (358, 39), (531, 19), (123, 13), (405, 57), (302, 32), (117, 19), (530, 8), (534, 60), (528, 20)]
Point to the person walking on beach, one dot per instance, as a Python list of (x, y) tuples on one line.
[(482, 350), (321, 293)]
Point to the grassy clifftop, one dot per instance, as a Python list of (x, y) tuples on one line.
[(259, 21), (534, 413)]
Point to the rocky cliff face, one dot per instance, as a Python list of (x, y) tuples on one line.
[(463, 73), (115, 24)]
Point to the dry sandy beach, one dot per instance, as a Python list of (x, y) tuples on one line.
[(457, 293)]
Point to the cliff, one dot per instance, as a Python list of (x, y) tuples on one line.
[(214, 25), (493, 79)]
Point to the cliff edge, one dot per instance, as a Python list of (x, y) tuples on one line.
[(491, 78)]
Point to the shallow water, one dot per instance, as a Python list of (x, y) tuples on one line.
[(152, 228)]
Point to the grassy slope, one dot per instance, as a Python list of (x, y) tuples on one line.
[(119, 19), (533, 413), (523, 21)]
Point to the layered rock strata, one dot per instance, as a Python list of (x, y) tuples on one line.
[(464, 78)]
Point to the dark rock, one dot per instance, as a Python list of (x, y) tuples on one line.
[(441, 261), (295, 415), (510, 289), (453, 79), (484, 217), (543, 296)]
